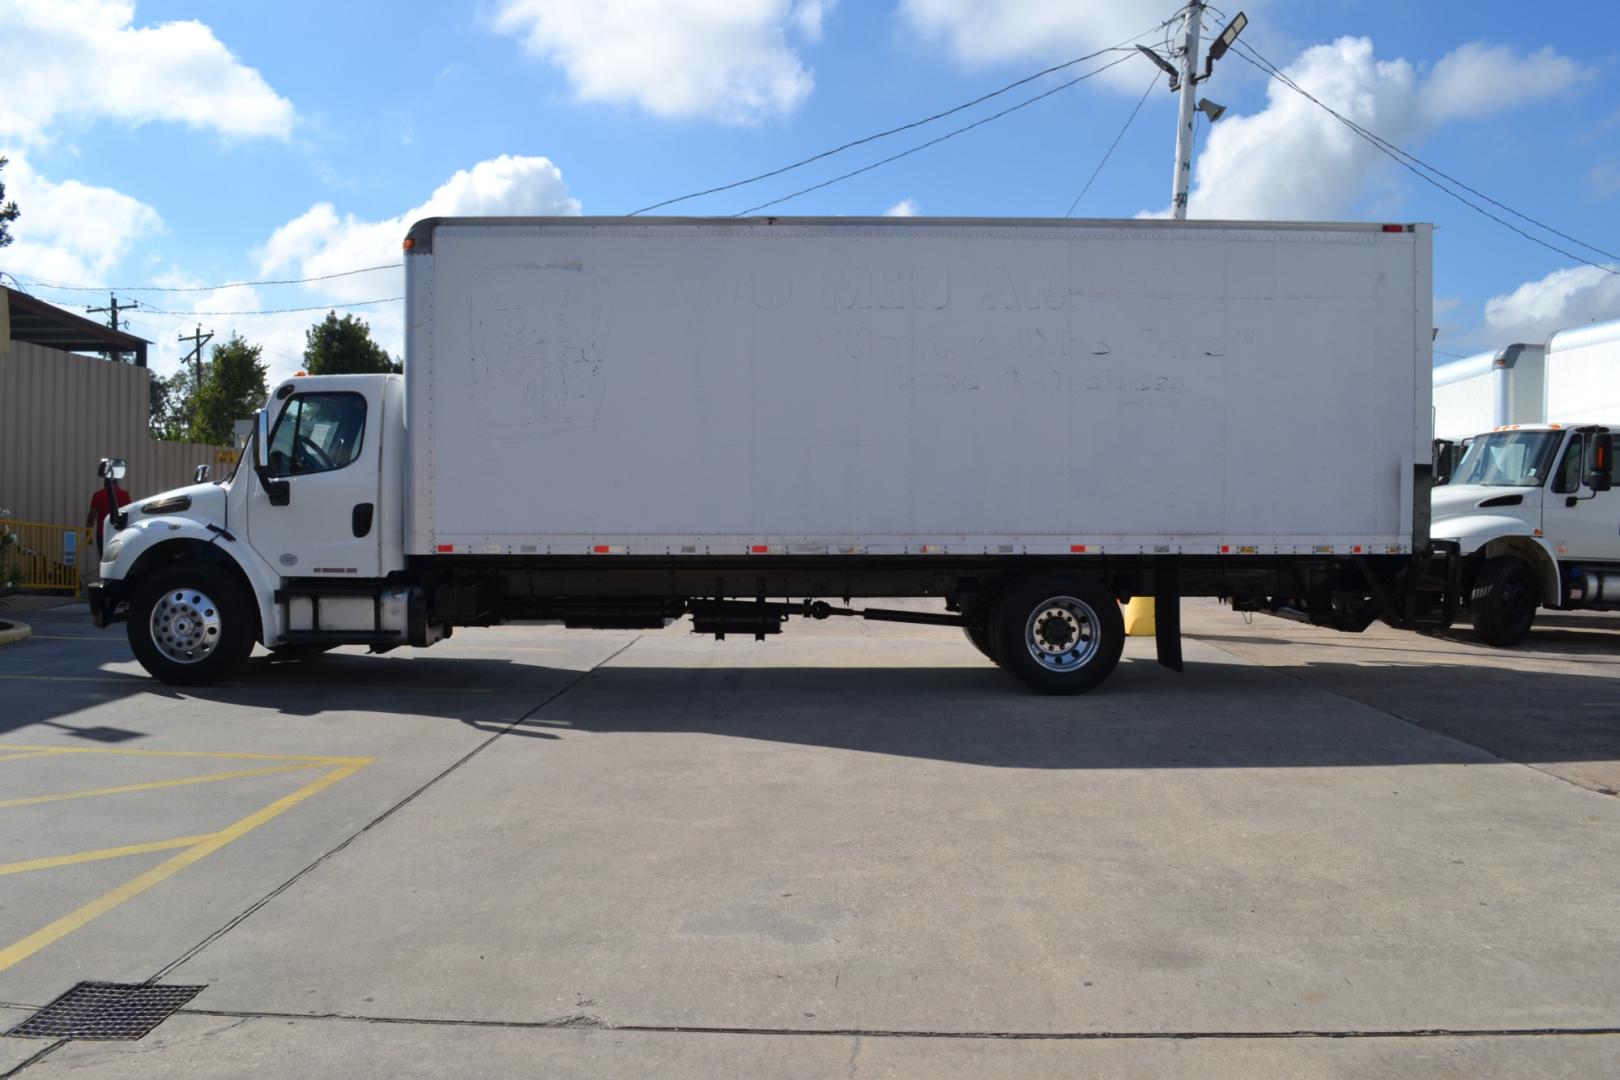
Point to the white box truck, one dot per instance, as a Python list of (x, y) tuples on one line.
[(1529, 507), (619, 422)]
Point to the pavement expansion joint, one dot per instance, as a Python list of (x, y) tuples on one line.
[(588, 1022)]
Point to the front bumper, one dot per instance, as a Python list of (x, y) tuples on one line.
[(107, 602)]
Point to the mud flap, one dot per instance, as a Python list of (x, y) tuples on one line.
[(1167, 610)]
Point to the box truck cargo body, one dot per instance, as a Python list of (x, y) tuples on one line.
[(617, 422)]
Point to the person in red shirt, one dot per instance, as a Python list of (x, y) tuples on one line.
[(97, 518)]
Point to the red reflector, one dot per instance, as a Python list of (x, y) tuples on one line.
[(1077, 549), (1226, 549), (447, 547), (759, 549), (1356, 550), (1394, 228), (601, 549)]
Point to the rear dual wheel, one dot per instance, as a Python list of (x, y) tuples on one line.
[(1057, 633)]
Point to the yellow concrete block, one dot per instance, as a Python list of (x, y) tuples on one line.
[(1139, 621)]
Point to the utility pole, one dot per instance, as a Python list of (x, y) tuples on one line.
[(198, 340), (1184, 119), (1185, 79), (112, 309)]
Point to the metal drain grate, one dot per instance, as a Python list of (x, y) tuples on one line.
[(105, 1010)]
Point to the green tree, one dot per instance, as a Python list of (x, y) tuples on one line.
[(343, 346), (173, 400), (8, 211), (233, 386)]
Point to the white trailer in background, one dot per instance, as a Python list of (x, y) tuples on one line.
[(1488, 390), (1583, 374), (1484, 391)]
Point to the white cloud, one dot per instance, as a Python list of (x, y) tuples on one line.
[(982, 33), (322, 241), (1294, 161), (903, 208), (85, 59), (1477, 79), (1570, 297), (70, 231), (728, 60)]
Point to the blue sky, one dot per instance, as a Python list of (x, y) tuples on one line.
[(173, 143)]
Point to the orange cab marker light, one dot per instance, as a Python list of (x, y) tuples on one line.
[(408, 244), (300, 374)]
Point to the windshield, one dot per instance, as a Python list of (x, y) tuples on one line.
[(1509, 459)]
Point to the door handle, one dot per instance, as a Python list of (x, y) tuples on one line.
[(360, 520)]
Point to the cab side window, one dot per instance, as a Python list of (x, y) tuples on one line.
[(1568, 480), (317, 433)]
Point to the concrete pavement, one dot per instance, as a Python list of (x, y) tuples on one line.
[(855, 850)]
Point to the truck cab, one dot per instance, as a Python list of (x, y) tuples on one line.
[(1536, 524), (313, 513)]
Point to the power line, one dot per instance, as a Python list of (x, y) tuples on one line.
[(276, 311), (1408, 162), (897, 130), (41, 283), (936, 141), (1109, 153)]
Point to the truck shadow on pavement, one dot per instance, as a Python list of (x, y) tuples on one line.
[(1276, 712)]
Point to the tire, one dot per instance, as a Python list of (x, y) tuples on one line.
[(1057, 633), (1504, 601), (980, 636), (191, 624)]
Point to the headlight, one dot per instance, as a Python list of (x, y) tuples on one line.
[(172, 505), (110, 552)]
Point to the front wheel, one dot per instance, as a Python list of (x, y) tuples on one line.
[(191, 624), (1058, 633), (1504, 601)]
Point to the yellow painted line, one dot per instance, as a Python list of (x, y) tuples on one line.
[(129, 751), (134, 680), (151, 785), (51, 861), (31, 753), (67, 924)]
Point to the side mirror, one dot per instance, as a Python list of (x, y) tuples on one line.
[(278, 490), (202, 475), (1444, 461), (112, 468), (1599, 465), (261, 441)]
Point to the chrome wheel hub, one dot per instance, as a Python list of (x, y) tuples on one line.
[(185, 626), (1061, 633)]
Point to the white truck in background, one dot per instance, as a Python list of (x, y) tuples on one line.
[(1529, 505), (1485, 391), (619, 422)]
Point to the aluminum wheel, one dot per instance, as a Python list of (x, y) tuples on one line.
[(185, 626), (1061, 633)]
